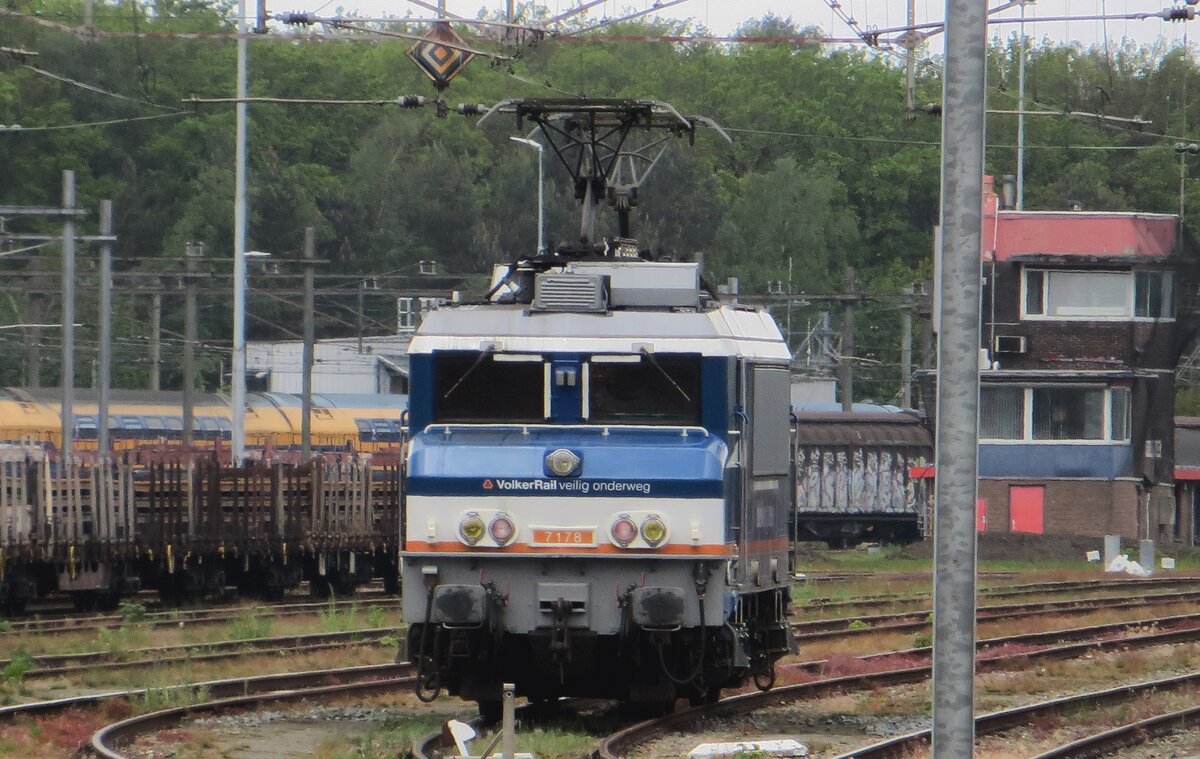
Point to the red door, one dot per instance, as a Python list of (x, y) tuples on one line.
[(981, 515), (1025, 504)]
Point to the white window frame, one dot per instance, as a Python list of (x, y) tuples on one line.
[(1027, 417), (1130, 295)]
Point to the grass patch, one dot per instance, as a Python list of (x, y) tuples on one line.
[(336, 620), (394, 737), (119, 642), (859, 624), (250, 625), (18, 666), (157, 699)]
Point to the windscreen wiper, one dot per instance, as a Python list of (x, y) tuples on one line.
[(483, 354), (670, 379)]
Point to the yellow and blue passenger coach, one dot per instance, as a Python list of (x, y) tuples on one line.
[(598, 484)]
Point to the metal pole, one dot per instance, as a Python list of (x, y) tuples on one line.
[(958, 380), (362, 286), (910, 62), (845, 365), (906, 351), (1021, 116), (68, 315), (310, 252), (156, 342), (541, 200), (105, 369), (238, 380), (33, 339), (194, 251), (508, 722)]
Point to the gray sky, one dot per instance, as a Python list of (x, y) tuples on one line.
[(723, 16)]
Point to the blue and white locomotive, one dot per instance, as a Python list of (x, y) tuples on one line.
[(598, 477)]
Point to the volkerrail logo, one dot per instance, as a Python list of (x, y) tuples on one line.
[(487, 485)]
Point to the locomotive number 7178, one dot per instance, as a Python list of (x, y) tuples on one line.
[(563, 536)]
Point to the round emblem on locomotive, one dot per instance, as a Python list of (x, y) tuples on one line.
[(562, 462)]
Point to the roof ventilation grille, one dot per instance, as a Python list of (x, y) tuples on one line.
[(570, 292)]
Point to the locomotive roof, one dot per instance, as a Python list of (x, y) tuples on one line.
[(720, 331)]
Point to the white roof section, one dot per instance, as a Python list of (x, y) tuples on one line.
[(721, 331)]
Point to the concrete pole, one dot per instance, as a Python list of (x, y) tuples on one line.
[(156, 342), (68, 316), (906, 349), (310, 253), (964, 104), (105, 368), (238, 380), (192, 256), (845, 363)]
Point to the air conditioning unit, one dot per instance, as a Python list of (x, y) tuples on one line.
[(1011, 344)]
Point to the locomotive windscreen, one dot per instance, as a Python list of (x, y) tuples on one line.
[(475, 388), (657, 389)]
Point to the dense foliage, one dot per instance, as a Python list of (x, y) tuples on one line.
[(825, 169)]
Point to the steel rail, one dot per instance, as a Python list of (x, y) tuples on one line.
[(612, 746), (819, 629), (218, 688), (60, 664), (1010, 591), (188, 617), (105, 741), (1133, 734), (1094, 745)]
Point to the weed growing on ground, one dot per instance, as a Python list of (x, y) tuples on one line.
[(132, 612), (922, 640), (859, 624), (376, 617), (335, 620), (250, 625), (157, 699), (5, 626), (18, 666), (119, 642)]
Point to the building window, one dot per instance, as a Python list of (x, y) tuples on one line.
[(1001, 412), (1068, 413), (1153, 295), (1054, 413), (1052, 294)]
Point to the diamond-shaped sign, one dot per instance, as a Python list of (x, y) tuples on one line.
[(439, 62)]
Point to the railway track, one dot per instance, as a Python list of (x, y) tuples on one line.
[(75, 624), (1058, 644), (1091, 746), (1120, 586), (68, 664), (919, 620), (107, 741)]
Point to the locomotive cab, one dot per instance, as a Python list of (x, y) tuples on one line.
[(597, 489)]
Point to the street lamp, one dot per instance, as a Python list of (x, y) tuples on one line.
[(541, 243), (238, 380)]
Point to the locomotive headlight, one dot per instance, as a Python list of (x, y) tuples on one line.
[(502, 528), (624, 530), (562, 462), (654, 531), (471, 528)]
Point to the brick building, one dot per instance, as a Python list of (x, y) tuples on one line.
[(1079, 344)]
